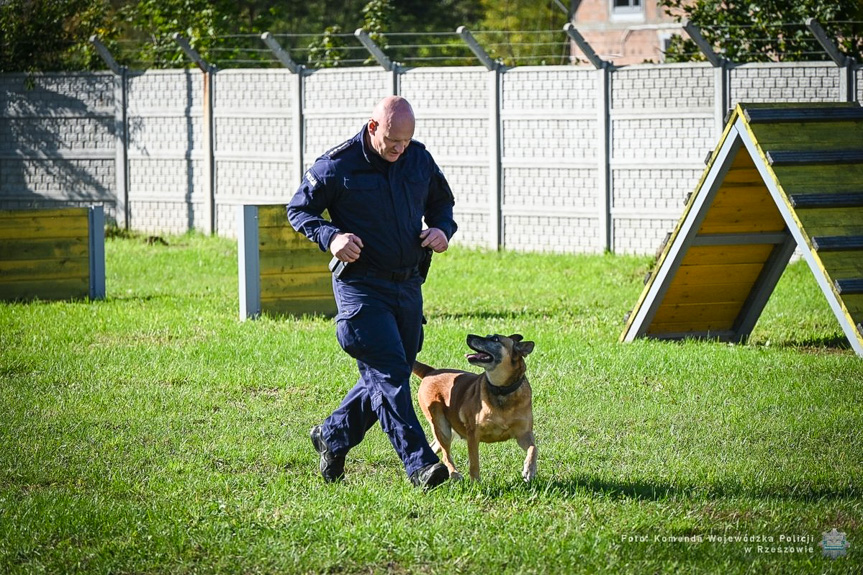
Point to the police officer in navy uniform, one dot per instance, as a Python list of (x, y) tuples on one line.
[(378, 187)]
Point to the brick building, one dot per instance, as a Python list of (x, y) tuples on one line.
[(624, 31)]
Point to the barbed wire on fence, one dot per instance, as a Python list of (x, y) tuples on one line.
[(407, 49), (334, 48), (510, 48), (766, 47), (782, 41)]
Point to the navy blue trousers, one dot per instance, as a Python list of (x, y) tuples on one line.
[(380, 325)]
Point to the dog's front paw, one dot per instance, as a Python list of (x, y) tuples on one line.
[(455, 476), (528, 474)]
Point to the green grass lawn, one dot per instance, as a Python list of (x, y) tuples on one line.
[(154, 432)]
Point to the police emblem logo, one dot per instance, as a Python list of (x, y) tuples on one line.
[(834, 544)]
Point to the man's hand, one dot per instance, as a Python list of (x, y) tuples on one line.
[(435, 239), (346, 247)]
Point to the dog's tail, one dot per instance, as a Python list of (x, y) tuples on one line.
[(421, 370)]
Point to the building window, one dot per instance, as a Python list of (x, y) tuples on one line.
[(664, 44), (627, 9), (626, 5)]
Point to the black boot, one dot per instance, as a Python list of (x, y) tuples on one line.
[(430, 476), (332, 466)]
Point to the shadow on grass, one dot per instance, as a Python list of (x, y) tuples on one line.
[(503, 314), (583, 485), (510, 315), (834, 343), (141, 297)]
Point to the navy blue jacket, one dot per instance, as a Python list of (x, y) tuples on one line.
[(381, 202)]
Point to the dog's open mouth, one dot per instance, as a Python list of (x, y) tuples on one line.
[(478, 354), (479, 357)]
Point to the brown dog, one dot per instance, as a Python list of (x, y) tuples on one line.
[(481, 407)]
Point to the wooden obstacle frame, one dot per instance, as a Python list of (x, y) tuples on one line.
[(52, 254), (280, 271), (783, 177)]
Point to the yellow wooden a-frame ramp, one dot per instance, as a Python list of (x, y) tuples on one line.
[(783, 176)]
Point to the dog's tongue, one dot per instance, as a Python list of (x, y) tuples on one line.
[(479, 356)]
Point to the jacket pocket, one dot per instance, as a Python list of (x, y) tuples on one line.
[(362, 194), (346, 333), (418, 192)]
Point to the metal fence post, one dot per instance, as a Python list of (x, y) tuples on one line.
[(496, 230), (123, 160), (721, 75), (478, 51), (605, 187), (495, 160), (604, 177), (721, 96), (380, 57), (298, 72), (281, 55), (96, 240), (209, 132), (847, 77), (248, 261), (121, 129)]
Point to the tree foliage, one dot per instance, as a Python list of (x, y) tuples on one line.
[(328, 51), (155, 20), (331, 49), (52, 34), (520, 19), (767, 30)]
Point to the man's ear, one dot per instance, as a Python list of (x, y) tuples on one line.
[(373, 126)]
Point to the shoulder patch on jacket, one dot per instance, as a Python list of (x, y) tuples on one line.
[(335, 151), (310, 177)]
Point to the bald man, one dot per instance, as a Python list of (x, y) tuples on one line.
[(379, 188)]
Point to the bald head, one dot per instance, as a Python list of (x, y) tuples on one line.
[(393, 107), (391, 127)]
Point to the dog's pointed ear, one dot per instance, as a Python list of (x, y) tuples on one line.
[(516, 337), (524, 347)]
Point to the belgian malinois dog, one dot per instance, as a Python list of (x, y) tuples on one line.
[(491, 406)]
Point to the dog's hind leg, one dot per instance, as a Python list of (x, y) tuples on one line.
[(527, 442)]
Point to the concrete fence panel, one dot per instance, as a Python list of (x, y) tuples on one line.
[(257, 139), (166, 151), (662, 125), (799, 82), (553, 158), (551, 150), (454, 108), (336, 104), (57, 140)]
